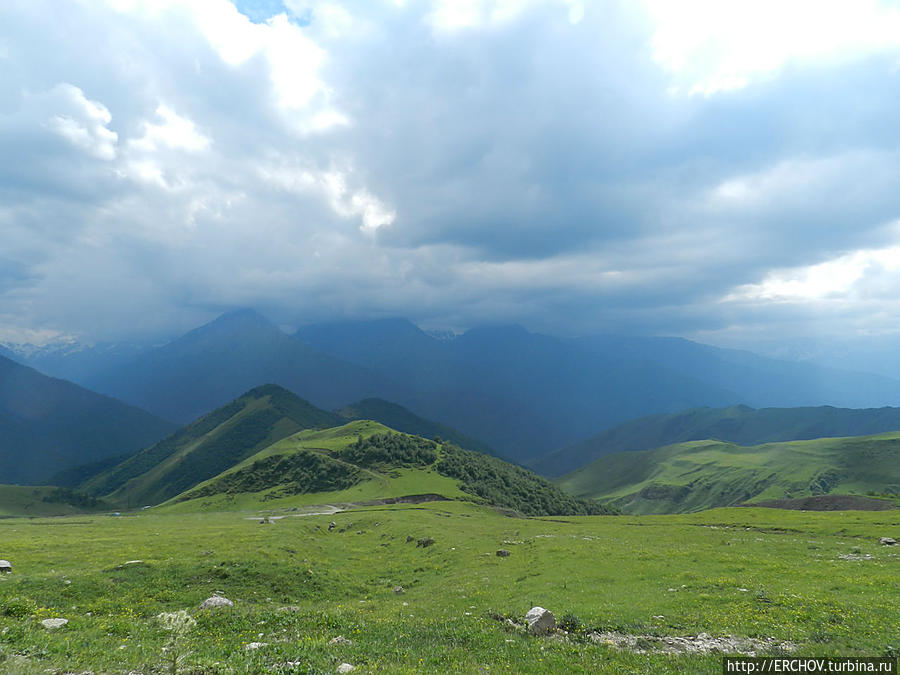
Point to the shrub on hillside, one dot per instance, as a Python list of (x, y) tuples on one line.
[(390, 450), (502, 484)]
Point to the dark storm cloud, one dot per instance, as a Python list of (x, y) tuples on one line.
[(526, 162)]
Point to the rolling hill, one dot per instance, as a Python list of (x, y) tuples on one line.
[(48, 425), (365, 461), (737, 424), (209, 446), (705, 474)]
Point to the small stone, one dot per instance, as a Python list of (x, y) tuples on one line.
[(346, 668), (340, 640), (332, 525), (216, 601), (540, 621), (5, 567), (884, 541), (399, 590), (409, 538), (502, 553), (256, 645), (53, 624)]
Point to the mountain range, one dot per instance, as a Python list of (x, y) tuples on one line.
[(520, 393), (217, 362)]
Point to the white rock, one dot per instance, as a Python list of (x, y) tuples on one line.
[(5, 566), (884, 541), (216, 601), (53, 624), (256, 645), (340, 640), (346, 668), (540, 621)]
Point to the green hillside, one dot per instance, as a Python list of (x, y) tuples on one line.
[(737, 424), (363, 461), (705, 474), (42, 501), (397, 417), (208, 446)]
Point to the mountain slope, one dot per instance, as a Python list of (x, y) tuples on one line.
[(364, 460), (705, 474), (761, 381), (523, 392), (208, 446), (737, 424), (217, 362), (73, 361), (44, 501), (48, 425)]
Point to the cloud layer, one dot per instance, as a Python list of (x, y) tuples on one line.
[(573, 166)]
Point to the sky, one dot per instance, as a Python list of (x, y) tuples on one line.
[(722, 170)]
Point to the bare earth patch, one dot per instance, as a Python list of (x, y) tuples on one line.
[(698, 644)]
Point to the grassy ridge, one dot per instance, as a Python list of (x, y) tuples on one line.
[(737, 424), (740, 572), (399, 418), (209, 446), (705, 474)]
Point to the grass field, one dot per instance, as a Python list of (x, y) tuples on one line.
[(820, 580)]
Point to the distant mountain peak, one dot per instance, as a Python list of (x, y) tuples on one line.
[(236, 322), (267, 390), (244, 315)]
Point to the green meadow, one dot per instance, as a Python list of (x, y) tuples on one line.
[(819, 581)]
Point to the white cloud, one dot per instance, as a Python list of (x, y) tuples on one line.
[(174, 131), (454, 15), (85, 125), (293, 59), (842, 278), (332, 186), (714, 45)]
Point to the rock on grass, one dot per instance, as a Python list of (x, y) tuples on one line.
[(540, 621)]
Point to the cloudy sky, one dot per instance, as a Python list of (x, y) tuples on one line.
[(728, 171)]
